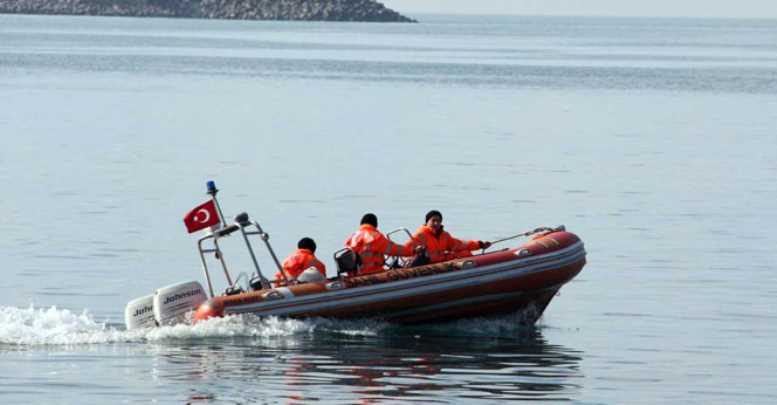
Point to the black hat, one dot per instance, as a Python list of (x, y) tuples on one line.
[(307, 243), (433, 213), (370, 219)]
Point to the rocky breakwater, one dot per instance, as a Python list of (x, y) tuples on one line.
[(310, 10)]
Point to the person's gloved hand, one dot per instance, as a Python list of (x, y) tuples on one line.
[(484, 244)]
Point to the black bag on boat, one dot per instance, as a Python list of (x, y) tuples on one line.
[(347, 261), (420, 260)]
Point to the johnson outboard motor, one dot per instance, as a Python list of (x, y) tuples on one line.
[(166, 306)]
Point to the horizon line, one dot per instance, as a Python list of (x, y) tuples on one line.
[(710, 17)]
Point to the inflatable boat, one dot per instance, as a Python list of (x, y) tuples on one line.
[(524, 278)]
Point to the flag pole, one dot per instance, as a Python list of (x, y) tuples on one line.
[(212, 191)]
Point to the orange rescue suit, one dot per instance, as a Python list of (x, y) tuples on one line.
[(299, 261), (371, 245), (442, 247)]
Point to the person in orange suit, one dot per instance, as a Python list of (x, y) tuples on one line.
[(440, 246), (302, 259), (371, 246)]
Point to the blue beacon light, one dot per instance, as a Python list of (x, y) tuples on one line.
[(212, 187)]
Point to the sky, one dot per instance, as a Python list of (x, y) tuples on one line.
[(645, 8)]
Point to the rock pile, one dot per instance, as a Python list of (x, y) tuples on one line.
[(318, 10)]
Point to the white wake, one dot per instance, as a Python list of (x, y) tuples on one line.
[(52, 326)]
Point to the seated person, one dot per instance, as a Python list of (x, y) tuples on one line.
[(371, 245), (299, 261), (440, 246)]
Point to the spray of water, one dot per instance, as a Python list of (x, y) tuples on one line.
[(52, 326)]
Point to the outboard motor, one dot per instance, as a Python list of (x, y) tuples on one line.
[(139, 313), (171, 303), (167, 306)]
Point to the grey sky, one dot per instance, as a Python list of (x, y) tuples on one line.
[(689, 8)]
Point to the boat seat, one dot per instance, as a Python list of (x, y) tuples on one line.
[(347, 261)]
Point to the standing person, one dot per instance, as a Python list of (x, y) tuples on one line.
[(371, 245), (439, 244), (299, 261)]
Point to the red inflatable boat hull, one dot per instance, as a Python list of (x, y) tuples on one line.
[(522, 279)]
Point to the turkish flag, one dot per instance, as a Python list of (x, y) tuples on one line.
[(201, 217)]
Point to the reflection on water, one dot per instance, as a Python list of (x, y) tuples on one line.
[(398, 364), (249, 359)]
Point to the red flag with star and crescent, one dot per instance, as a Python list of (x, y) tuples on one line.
[(201, 217)]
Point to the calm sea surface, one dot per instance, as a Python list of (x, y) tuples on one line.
[(655, 140)]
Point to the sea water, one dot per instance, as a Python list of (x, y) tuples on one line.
[(654, 140)]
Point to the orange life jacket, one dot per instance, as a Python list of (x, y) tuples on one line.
[(443, 247), (299, 261), (371, 245)]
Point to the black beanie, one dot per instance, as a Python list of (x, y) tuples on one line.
[(370, 219), (307, 243), (431, 214)]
